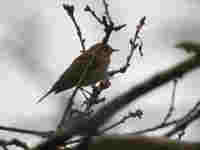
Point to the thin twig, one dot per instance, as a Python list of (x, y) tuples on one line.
[(107, 12), (70, 11), (155, 128), (134, 45), (88, 9), (121, 101), (24, 131), (106, 21), (166, 124), (172, 107), (190, 117), (137, 114)]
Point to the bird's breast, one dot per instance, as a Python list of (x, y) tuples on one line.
[(96, 74)]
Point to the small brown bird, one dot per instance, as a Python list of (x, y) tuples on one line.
[(99, 54)]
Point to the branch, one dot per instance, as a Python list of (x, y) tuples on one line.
[(90, 125), (136, 114), (32, 132), (106, 21), (107, 12), (134, 45), (177, 71), (189, 118), (172, 107), (16, 142), (160, 126), (70, 11), (180, 121), (88, 9), (117, 142)]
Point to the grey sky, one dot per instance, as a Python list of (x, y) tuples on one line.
[(38, 41)]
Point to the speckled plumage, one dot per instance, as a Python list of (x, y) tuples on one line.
[(99, 54)]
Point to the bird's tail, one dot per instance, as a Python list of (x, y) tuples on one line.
[(44, 96)]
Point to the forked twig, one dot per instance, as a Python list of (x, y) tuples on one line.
[(106, 21)]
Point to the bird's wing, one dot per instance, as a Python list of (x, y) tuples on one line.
[(72, 75)]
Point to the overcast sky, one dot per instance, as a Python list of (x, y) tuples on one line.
[(38, 41)]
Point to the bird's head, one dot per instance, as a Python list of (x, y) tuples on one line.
[(101, 49)]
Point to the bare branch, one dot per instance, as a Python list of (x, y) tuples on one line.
[(89, 126), (106, 21), (160, 126), (176, 122), (88, 9), (172, 107), (137, 114), (189, 118), (70, 11), (134, 45), (107, 111), (107, 12), (32, 132)]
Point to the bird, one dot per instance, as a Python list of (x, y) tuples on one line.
[(99, 55)]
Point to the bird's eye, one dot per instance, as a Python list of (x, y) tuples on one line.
[(105, 49)]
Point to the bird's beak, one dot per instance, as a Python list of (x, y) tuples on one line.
[(115, 50)]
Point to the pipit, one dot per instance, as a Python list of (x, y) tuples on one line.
[(94, 62)]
